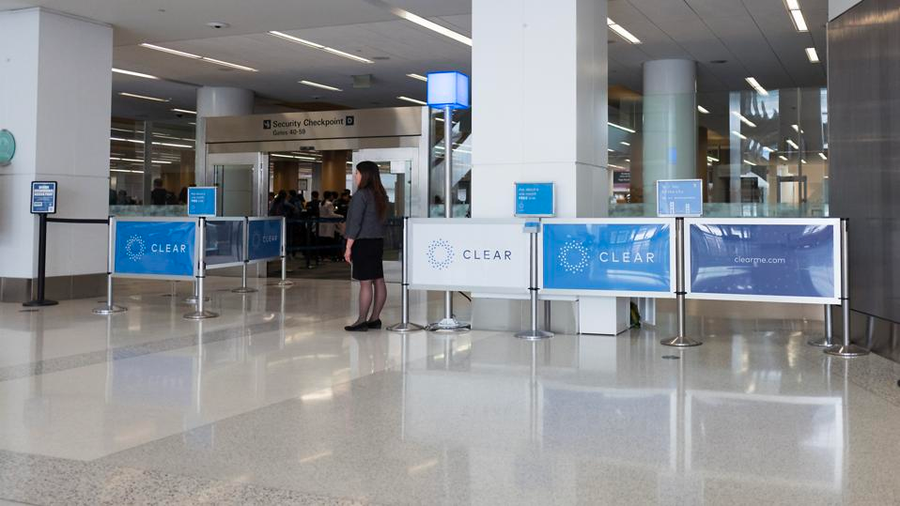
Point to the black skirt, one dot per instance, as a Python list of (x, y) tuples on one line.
[(367, 255)]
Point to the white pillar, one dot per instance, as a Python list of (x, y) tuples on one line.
[(670, 123), (539, 97), (55, 97), (214, 101)]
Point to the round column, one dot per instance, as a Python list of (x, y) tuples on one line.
[(215, 101), (670, 123)]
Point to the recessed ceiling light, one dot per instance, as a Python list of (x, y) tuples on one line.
[(803, 161), (620, 127), (424, 23), (412, 100), (756, 86), (792, 144), (767, 149), (702, 109), (822, 156), (712, 159), (743, 119), (799, 21), (792, 5), (748, 162), (622, 32), (812, 55), (320, 47), (138, 160), (318, 85), (198, 57), (625, 143), (742, 136), (185, 111), (783, 157), (143, 97), (133, 73), (417, 76)]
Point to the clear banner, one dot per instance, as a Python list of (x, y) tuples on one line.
[(160, 249)]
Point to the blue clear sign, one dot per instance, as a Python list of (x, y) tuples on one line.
[(761, 261), (679, 197), (43, 197), (155, 248), (608, 257), (264, 240), (201, 201), (535, 199)]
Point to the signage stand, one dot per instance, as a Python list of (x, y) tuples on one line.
[(680, 340), (405, 326), (847, 349), (244, 289), (110, 307), (534, 334), (828, 340), (40, 301), (201, 313)]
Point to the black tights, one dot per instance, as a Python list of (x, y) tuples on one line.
[(368, 289)]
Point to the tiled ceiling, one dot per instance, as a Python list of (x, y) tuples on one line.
[(752, 37)]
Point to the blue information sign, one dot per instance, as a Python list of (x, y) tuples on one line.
[(155, 248), (535, 200), (201, 201), (43, 197), (610, 257), (679, 197), (754, 261), (264, 240)]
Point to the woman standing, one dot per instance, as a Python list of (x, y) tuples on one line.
[(366, 220)]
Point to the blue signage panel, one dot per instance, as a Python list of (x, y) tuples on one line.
[(679, 197), (535, 200), (43, 197), (264, 240), (201, 201), (762, 261), (627, 257), (155, 248)]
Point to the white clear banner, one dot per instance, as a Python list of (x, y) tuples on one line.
[(470, 255)]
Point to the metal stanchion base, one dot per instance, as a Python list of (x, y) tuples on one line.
[(847, 351), (405, 328), (821, 342), (680, 342), (534, 335), (244, 289), (194, 300), (200, 315), (285, 284), (449, 325), (108, 310)]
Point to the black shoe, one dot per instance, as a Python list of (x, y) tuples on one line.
[(357, 327), (374, 324)]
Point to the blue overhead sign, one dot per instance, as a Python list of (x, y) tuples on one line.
[(164, 249), (630, 257), (264, 240), (201, 201), (43, 197), (448, 89), (535, 200), (752, 260), (679, 197)]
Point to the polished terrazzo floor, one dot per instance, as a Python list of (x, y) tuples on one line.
[(272, 403)]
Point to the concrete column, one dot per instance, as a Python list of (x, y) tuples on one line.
[(214, 101), (55, 97), (670, 123), (334, 170)]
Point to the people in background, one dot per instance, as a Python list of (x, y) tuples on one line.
[(342, 204), (313, 206), (297, 201), (327, 229), (365, 245), (281, 206), (113, 199), (159, 195), (182, 196)]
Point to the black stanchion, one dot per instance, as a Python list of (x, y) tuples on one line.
[(40, 301)]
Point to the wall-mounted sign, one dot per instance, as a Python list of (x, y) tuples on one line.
[(679, 197), (264, 239), (634, 257), (43, 197), (535, 200), (201, 201), (474, 255), (7, 147), (164, 249), (779, 260)]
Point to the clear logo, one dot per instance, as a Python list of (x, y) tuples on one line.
[(135, 248), (573, 257), (440, 254)]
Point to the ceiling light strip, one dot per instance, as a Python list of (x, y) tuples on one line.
[(412, 100), (133, 73), (143, 97), (620, 127), (744, 119), (320, 47), (812, 54), (319, 85), (622, 32), (418, 77), (193, 56), (702, 109), (756, 86)]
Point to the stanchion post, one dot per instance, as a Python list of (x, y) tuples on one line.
[(405, 325), (847, 349), (110, 307), (449, 323), (533, 334), (680, 340), (40, 301), (246, 257), (828, 340), (201, 313), (285, 282)]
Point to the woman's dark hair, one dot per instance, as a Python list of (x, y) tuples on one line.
[(371, 179)]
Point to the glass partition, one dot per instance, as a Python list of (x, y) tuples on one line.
[(462, 164)]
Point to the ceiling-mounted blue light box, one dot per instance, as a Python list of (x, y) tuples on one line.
[(448, 89)]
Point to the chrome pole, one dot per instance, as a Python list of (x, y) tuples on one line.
[(284, 283), (246, 257), (828, 340), (534, 333), (680, 340), (847, 349), (405, 326), (110, 307), (201, 313)]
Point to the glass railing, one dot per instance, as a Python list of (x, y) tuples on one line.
[(723, 210), (135, 210)]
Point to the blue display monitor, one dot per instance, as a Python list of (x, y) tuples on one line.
[(679, 197), (201, 201), (43, 197), (535, 200)]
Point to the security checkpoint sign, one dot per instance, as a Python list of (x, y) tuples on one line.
[(156, 249), (679, 197), (490, 256), (764, 259), (43, 197), (614, 257), (264, 240)]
